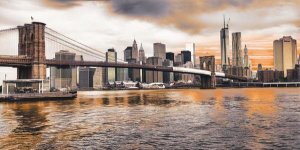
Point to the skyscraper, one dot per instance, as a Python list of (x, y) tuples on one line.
[(246, 57), (192, 48), (237, 51), (159, 50), (135, 51), (224, 39), (186, 56), (111, 56), (170, 56), (285, 54), (142, 56), (128, 53)]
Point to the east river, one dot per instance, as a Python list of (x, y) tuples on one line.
[(266, 118)]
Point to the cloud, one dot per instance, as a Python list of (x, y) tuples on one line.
[(155, 8), (184, 15)]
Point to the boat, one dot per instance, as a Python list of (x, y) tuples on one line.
[(38, 96)]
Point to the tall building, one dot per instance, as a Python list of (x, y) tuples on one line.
[(224, 39), (285, 54), (178, 58), (142, 56), (246, 57), (111, 56), (170, 56), (186, 56), (131, 74), (128, 53), (63, 77), (237, 51), (159, 50), (135, 51), (192, 48)]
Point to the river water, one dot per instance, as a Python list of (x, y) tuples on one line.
[(157, 119)]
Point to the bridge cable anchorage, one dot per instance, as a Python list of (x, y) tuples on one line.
[(73, 48), (68, 42), (95, 50)]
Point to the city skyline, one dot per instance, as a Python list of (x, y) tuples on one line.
[(139, 22)]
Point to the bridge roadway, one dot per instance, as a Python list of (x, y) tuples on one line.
[(17, 61)]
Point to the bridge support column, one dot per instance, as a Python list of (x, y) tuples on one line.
[(208, 82)]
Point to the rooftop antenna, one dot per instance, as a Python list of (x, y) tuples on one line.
[(224, 20), (228, 23)]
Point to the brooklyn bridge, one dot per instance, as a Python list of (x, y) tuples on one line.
[(31, 61)]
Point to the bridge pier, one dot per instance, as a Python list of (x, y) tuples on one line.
[(208, 63), (208, 82)]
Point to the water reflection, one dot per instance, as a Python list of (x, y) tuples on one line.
[(156, 119)]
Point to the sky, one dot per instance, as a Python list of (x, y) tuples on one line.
[(104, 24)]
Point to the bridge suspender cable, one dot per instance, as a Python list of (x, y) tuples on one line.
[(95, 50), (86, 51), (73, 48)]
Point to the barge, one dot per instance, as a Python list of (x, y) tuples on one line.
[(38, 96)]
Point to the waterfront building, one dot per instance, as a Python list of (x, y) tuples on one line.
[(154, 76), (86, 77), (159, 50), (293, 75), (265, 76), (224, 39), (270, 76), (192, 48), (285, 54), (111, 56), (98, 78), (186, 56), (170, 56), (237, 51), (168, 77), (142, 57), (63, 77)]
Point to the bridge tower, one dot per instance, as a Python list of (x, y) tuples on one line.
[(32, 45), (208, 63)]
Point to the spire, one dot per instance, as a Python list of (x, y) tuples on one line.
[(134, 42), (141, 48)]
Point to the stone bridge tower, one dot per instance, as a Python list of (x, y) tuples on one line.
[(208, 63), (32, 44)]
